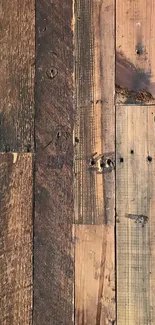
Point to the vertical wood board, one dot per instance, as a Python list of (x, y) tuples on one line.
[(94, 102), (135, 206), (17, 61), (16, 184), (94, 275), (135, 48)]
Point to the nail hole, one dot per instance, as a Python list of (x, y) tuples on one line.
[(76, 140), (109, 162), (58, 135), (28, 148), (149, 158), (132, 151), (121, 160), (51, 73), (92, 162)]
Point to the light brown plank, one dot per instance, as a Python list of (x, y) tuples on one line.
[(135, 46), (17, 56), (94, 275), (94, 100), (16, 239), (135, 205)]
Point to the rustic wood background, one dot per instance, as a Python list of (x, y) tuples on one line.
[(77, 162)]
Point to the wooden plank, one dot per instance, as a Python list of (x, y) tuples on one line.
[(16, 183), (54, 208), (17, 54), (135, 205), (94, 100), (94, 275), (135, 48)]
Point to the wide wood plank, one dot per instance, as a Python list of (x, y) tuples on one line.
[(17, 55), (135, 46), (135, 205), (16, 184), (54, 208), (94, 101), (94, 275)]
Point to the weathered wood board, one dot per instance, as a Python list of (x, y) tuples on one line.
[(16, 183), (17, 61), (135, 206), (135, 48), (94, 275), (94, 102), (54, 208)]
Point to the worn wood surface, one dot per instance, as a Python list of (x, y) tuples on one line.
[(135, 204), (16, 238), (53, 264), (135, 48), (94, 101), (94, 275), (17, 55)]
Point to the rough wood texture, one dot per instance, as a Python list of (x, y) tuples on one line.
[(135, 46), (135, 204), (94, 101), (17, 54), (94, 275), (16, 239), (53, 265)]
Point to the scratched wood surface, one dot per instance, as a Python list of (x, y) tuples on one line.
[(135, 205), (94, 102), (54, 208), (94, 275), (16, 183), (17, 55), (135, 48)]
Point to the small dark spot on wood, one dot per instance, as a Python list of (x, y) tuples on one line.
[(132, 151), (139, 49), (99, 101), (78, 18), (92, 162), (121, 159), (28, 148), (149, 158), (91, 101), (76, 140), (52, 72), (7, 148), (58, 135), (44, 29)]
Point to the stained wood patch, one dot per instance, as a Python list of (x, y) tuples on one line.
[(135, 48), (54, 208), (94, 275), (16, 238), (17, 55), (94, 102), (135, 205)]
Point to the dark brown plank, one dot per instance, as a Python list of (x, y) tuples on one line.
[(17, 52), (53, 265), (16, 183)]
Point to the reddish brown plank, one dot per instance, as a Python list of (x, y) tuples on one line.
[(53, 264), (16, 183)]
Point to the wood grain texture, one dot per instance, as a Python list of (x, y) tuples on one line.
[(135, 46), (54, 208), (94, 102), (94, 275), (16, 239), (17, 55), (135, 205)]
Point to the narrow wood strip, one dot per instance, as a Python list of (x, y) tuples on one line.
[(135, 46), (94, 97), (94, 275), (16, 182), (54, 208), (17, 55), (135, 205)]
